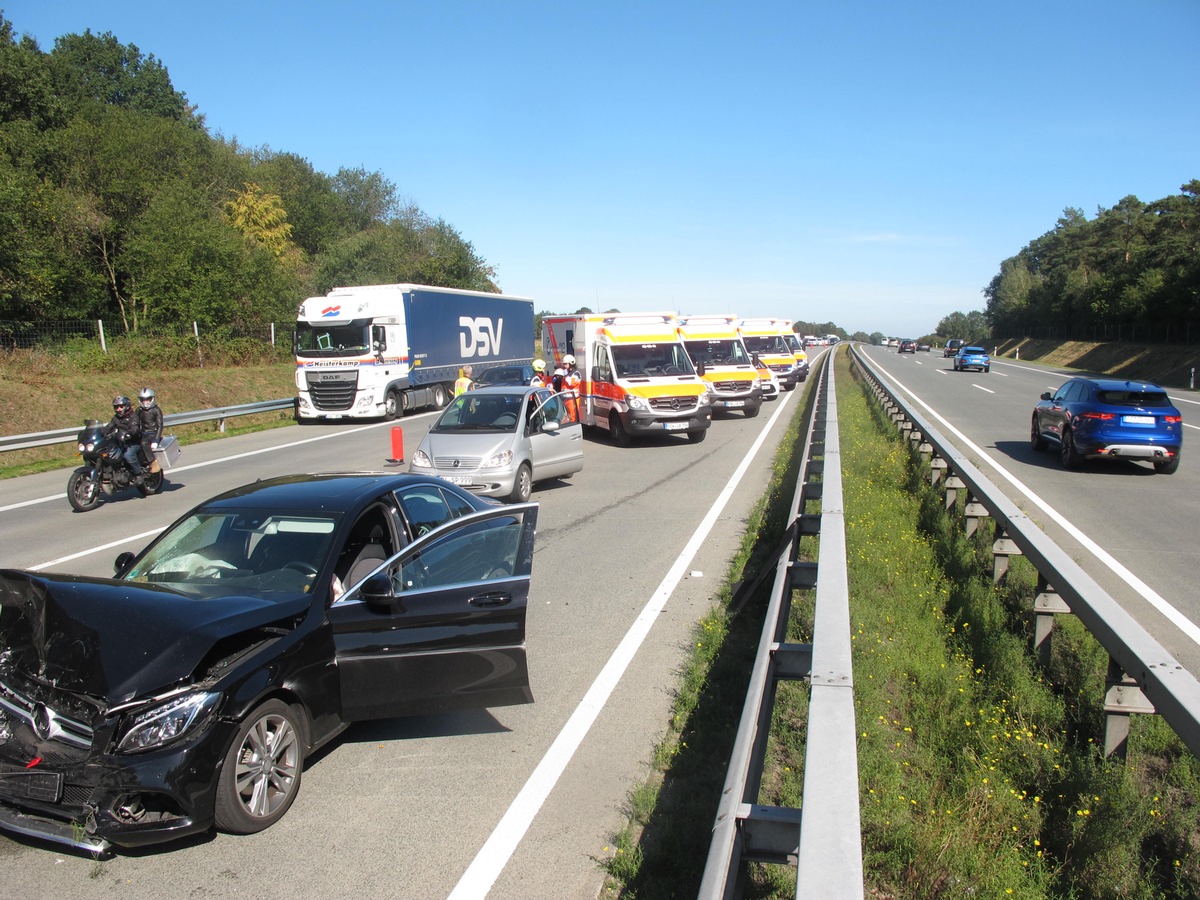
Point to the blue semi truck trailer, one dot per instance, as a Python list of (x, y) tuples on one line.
[(376, 351)]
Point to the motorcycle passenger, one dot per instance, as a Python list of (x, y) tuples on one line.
[(150, 422), (124, 424)]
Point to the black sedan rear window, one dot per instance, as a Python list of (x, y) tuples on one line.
[(1134, 398)]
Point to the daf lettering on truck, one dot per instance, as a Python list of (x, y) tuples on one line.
[(774, 342), (637, 378), (376, 351), (719, 355)]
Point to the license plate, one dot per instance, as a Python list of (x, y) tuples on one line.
[(675, 426), (733, 403), (459, 479), (1138, 420)]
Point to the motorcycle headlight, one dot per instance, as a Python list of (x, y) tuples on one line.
[(160, 725), (421, 460), (634, 402)]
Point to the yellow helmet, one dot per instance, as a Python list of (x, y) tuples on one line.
[(539, 365)]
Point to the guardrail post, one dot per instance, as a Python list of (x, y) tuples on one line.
[(937, 468), (1002, 548), (953, 483), (973, 512), (1046, 605), (1122, 699)]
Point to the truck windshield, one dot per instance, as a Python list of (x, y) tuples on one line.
[(768, 343), (321, 340), (717, 352), (651, 360)]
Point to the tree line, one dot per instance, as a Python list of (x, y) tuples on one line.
[(1130, 273), (117, 203)]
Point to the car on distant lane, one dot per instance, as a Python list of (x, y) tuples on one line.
[(952, 347), (499, 441), (907, 346), (511, 375), (188, 690), (1106, 418), (972, 358), (924, 348)]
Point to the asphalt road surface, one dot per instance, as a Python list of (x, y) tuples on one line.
[(519, 802)]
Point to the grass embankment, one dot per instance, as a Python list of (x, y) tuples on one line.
[(979, 777), (1170, 365), (43, 392)]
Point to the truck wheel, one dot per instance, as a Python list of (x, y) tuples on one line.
[(392, 405), (620, 436), (440, 398)]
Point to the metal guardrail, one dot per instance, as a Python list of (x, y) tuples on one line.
[(1143, 676), (220, 413), (825, 838)]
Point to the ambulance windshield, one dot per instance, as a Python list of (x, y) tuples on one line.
[(651, 360)]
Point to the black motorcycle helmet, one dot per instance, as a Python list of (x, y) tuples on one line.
[(121, 403)]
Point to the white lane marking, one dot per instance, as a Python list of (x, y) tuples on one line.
[(982, 388), (89, 552), (1182, 622), (494, 855), (223, 459)]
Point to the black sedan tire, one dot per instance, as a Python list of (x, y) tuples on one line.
[(261, 774)]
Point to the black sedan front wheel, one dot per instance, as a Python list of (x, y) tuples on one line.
[(261, 774)]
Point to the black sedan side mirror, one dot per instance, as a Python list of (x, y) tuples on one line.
[(377, 590)]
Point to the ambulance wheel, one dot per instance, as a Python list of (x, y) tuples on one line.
[(752, 411), (696, 437), (620, 436)]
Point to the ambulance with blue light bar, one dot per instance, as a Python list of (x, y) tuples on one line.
[(637, 377), (377, 351), (775, 344), (717, 352)]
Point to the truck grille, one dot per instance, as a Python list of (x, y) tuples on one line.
[(332, 392), (673, 404)]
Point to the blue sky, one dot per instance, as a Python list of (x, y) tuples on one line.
[(864, 163)]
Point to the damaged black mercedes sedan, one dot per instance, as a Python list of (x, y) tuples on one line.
[(187, 691)]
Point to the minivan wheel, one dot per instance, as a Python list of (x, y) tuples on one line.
[(261, 773), (522, 485)]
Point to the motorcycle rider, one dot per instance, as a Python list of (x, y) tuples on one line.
[(124, 424), (150, 422)]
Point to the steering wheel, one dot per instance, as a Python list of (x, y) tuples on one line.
[(672, 370), (300, 566)]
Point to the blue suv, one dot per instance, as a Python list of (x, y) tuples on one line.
[(1103, 418), (972, 358)]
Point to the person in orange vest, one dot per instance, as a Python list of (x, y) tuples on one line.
[(463, 383), (540, 378), (571, 383)]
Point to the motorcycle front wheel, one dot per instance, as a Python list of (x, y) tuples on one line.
[(83, 491)]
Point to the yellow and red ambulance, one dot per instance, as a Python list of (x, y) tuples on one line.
[(776, 345), (722, 360), (637, 377)]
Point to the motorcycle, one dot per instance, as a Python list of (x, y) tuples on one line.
[(105, 471)]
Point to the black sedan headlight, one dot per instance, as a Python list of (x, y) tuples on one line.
[(167, 722)]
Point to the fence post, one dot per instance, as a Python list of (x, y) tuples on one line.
[(199, 354), (100, 328)]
